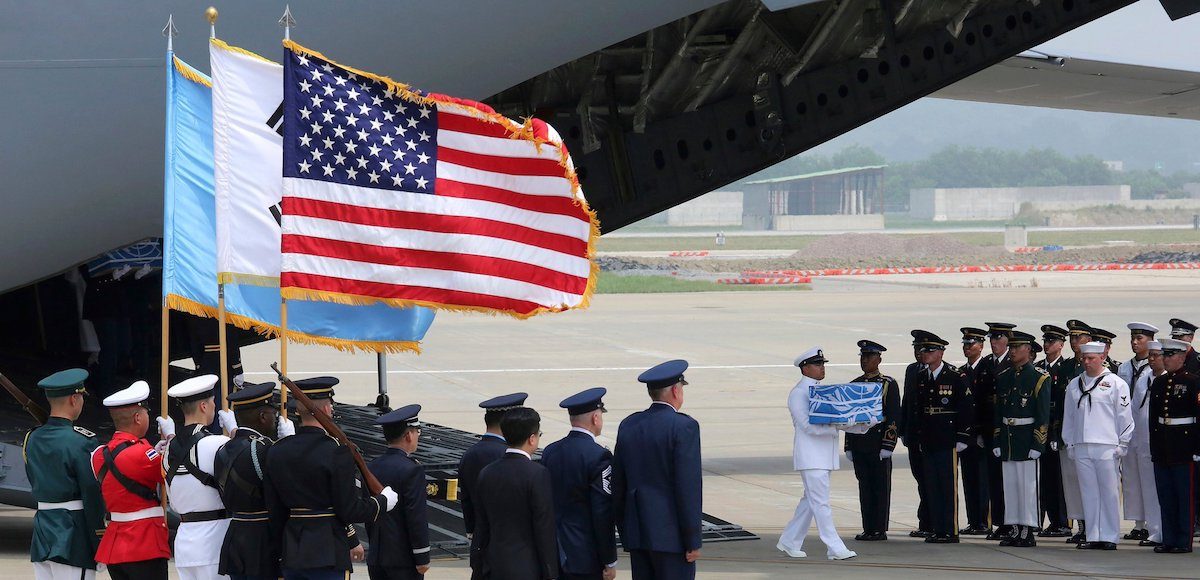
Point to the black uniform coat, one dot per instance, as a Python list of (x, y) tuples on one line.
[(984, 388), (313, 495), (251, 546), (1175, 396), (514, 522), (1059, 378), (883, 435), (944, 409), (400, 539), (581, 472), (1191, 362), (908, 418), (489, 448)]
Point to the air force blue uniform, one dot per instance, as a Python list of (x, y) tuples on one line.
[(657, 484), (399, 540)]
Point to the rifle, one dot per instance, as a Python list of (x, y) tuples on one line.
[(326, 421), (38, 413)]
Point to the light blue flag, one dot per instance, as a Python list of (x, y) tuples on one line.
[(190, 249)]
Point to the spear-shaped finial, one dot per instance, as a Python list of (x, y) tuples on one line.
[(211, 15), (287, 22), (170, 32)]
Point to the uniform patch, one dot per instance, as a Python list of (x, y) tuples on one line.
[(151, 453), (606, 480), (83, 431)]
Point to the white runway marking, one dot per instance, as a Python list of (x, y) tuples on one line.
[(549, 370)]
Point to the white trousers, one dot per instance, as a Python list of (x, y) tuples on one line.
[(206, 572), (1099, 482), (1070, 482), (57, 571), (813, 505), (1139, 492), (1020, 493)]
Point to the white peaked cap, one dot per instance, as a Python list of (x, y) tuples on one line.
[(131, 395), (193, 386)]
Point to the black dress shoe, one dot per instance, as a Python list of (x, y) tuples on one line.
[(1055, 532), (1000, 533), (871, 537), (1104, 546), (1149, 543), (1027, 542), (1136, 534), (1179, 551), (919, 534), (1077, 539), (1171, 550), (1162, 550), (1009, 541), (942, 539), (975, 531), (1086, 545)]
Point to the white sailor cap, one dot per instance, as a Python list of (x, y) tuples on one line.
[(1154, 345), (1172, 346), (1142, 328), (194, 389), (131, 395), (811, 356), (1092, 348)]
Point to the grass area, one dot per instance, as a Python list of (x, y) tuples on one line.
[(609, 283), (1146, 236)]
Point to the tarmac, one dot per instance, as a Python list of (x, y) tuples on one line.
[(741, 346)]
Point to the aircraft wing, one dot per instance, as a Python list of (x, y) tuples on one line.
[(1085, 85)]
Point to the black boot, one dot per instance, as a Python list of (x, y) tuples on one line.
[(1080, 536)]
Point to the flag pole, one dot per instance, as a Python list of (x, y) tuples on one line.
[(211, 15), (168, 31), (287, 22)]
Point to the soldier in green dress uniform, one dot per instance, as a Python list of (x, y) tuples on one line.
[(1021, 417), (70, 510)]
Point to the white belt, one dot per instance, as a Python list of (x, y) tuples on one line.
[(150, 512), (73, 505), (1177, 421), (1018, 420)]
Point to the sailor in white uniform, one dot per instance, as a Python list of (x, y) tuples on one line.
[(814, 454), (1097, 429), (1138, 494), (191, 485)]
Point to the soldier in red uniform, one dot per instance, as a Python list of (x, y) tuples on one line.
[(135, 545)]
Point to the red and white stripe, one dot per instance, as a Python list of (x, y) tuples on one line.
[(502, 231)]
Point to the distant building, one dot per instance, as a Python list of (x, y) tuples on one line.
[(839, 199), (1000, 203), (1115, 165), (1192, 189), (719, 208)]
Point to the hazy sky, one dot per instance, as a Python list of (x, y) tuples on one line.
[(1138, 34)]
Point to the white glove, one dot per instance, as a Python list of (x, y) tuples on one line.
[(161, 446), (996, 452), (885, 454), (100, 568), (166, 427), (284, 427), (1054, 445), (1034, 454), (979, 441), (1122, 450), (227, 420), (1070, 452), (850, 457), (959, 447), (1196, 458), (391, 497)]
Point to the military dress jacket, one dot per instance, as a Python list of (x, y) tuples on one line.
[(881, 436), (489, 448), (1022, 412), (908, 403), (1060, 372), (514, 516), (581, 474), (130, 472), (944, 409), (1174, 410), (401, 538), (70, 518), (1191, 362), (252, 545), (313, 495), (984, 389)]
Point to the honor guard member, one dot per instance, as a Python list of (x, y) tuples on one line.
[(1175, 444), (581, 474), (871, 452), (1080, 334), (1144, 504), (314, 497), (974, 459), (814, 455), (1132, 371), (985, 400), (489, 448), (1050, 482), (129, 470), (1105, 337), (1186, 332), (400, 541), (657, 483), (250, 550), (1097, 428), (908, 423), (1022, 418), (70, 511), (945, 407), (191, 483)]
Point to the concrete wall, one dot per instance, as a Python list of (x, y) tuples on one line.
[(756, 208), (719, 208), (824, 223), (1151, 204), (996, 203)]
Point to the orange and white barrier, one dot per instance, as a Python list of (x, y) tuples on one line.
[(972, 269)]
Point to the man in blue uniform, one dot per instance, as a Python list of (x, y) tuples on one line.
[(581, 472), (974, 459), (657, 482), (490, 447), (1175, 445), (985, 397), (1050, 476), (400, 541), (70, 510)]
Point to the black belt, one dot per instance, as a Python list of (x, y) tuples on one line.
[(208, 516), (312, 513), (260, 516)]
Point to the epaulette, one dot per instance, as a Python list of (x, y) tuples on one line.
[(887, 378), (84, 432), (1041, 370), (1005, 370), (952, 368)]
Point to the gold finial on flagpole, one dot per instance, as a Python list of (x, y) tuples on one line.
[(287, 22), (170, 32), (211, 15)]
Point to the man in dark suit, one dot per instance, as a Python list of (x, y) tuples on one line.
[(400, 541), (490, 447), (909, 424), (581, 471), (974, 459), (871, 452), (514, 509), (657, 482), (985, 399)]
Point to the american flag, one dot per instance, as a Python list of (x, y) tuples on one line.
[(405, 197)]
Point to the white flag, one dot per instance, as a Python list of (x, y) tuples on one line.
[(248, 154)]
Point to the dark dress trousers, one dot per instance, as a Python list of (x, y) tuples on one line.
[(489, 448), (985, 400), (399, 540), (251, 546), (581, 474), (908, 424), (514, 522), (973, 461), (657, 488), (1050, 485), (945, 406), (874, 475)]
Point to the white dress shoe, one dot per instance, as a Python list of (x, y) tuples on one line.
[(790, 553), (844, 555)]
